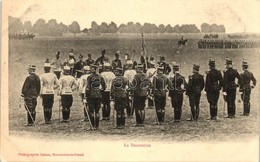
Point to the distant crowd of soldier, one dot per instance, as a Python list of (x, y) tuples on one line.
[(129, 85), (210, 36), (227, 44), (21, 36)]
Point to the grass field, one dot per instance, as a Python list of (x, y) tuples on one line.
[(22, 53)]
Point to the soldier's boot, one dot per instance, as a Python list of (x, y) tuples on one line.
[(158, 113), (177, 115), (123, 121), (197, 113), (118, 120), (63, 112), (50, 114), (233, 110), (29, 119), (96, 121), (138, 117), (193, 112), (92, 119), (211, 111), (246, 108), (104, 112), (68, 114), (162, 116), (85, 115), (45, 114), (142, 117), (108, 112)]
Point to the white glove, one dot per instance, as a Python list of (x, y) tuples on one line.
[(205, 93), (224, 93), (84, 101)]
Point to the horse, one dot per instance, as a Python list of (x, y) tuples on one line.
[(182, 42)]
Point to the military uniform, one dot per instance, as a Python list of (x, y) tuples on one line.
[(108, 77), (118, 93), (82, 89), (245, 87), (30, 92), (140, 87), (49, 82), (57, 65), (79, 67), (95, 87), (194, 88), (117, 62), (213, 85), (229, 88), (129, 74), (151, 72), (176, 92), (89, 61), (166, 67), (160, 84), (67, 86)]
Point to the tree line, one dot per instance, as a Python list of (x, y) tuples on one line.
[(53, 28)]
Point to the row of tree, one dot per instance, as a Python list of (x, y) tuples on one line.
[(53, 28)]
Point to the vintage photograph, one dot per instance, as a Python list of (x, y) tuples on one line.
[(139, 80)]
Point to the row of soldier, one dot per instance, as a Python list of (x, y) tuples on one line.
[(130, 88), (228, 44)]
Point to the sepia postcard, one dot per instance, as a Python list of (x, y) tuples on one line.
[(135, 80)]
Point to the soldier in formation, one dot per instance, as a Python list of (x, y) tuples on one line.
[(119, 95), (194, 88), (108, 76), (248, 82), (213, 85), (129, 88), (94, 90), (176, 89), (230, 86), (67, 86), (49, 82), (160, 85), (82, 88)]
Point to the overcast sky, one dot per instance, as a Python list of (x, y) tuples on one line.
[(236, 15)]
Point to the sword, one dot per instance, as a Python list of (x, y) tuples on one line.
[(85, 107), (27, 109), (157, 119)]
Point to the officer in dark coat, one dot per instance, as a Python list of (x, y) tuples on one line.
[(229, 87), (166, 67), (118, 93), (101, 60), (116, 63), (246, 87), (176, 89), (160, 84), (30, 91), (212, 87), (95, 87), (89, 61), (140, 87), (194, 88), (79, 66)]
